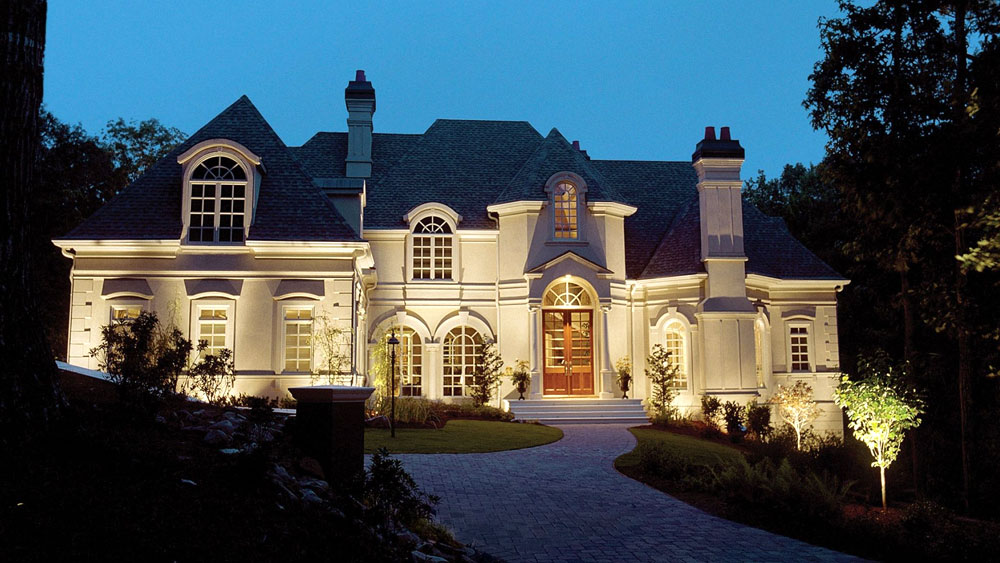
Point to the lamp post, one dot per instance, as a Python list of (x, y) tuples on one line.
[(393, 341)]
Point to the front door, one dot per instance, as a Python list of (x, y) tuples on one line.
[(569, 357)]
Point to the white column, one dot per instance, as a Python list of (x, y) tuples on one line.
[(536, 375), (607, 375), (433, 370)]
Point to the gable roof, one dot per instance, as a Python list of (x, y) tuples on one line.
[(289, 206), (553, 155)]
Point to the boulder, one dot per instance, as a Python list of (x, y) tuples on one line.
[(217, 437), (311, 466), (419, 557)]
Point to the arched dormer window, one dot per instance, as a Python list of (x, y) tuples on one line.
[(566, 191), (218, 201), (432, 249), (221, 180)]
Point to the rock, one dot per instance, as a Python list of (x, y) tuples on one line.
[(225, 425), (311, 466), (160, 419), (282, 473), (310, 496), (189, 482), (419, 557), (217, 437), (229, 451), (408, 537), (231, 415)]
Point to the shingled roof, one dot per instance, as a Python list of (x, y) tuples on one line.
[(289, 206), (465, 164)]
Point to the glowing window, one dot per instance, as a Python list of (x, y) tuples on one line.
[(566, 294), (798, 339), (461, 349), (674, 337), (298, 339), (432, 249), (125, 313), (409, 361), (564, 209), (213, 323), (758, 346), (218, 201)]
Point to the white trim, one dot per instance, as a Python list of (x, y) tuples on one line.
[(463, 318), (515, 207), (219, 145), (657, 335), (433, 208), (598, 208)]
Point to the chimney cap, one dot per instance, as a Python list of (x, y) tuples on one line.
[(576, 145), (725, 147), (360, 89)]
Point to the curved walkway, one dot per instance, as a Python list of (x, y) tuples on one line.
[(566, 502)]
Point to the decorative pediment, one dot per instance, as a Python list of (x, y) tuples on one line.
[(213, 288), (539, 269), (126, 287)]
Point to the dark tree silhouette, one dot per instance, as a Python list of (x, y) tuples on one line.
[(29, 399)]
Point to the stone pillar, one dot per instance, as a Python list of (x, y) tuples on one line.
[(330, 426), (536, 373), (607, 374)]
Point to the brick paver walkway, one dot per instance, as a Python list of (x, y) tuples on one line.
[(566, 502)]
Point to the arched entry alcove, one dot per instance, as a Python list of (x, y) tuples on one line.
[(568, 366)]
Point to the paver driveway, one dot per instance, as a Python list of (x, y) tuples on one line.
[(566, 502)]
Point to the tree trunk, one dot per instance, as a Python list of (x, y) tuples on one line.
[(881, 471), (29, 399), (959, 103)]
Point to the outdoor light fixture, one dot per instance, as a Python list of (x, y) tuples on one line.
[(393, 341)]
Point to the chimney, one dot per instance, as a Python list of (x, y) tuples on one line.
[(576, 146), (360, 99), (718, 163)]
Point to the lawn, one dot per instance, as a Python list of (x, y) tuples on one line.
[(461, 437), (696, 449)]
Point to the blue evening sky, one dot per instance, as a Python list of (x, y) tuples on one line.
[(630, 80)]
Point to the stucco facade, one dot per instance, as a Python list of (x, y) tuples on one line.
[(472, 231)]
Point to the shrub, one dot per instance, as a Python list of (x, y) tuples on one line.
[(658, 460), (662, 374), (466, 410), (758, 420), (734, 415), (486, 377), (212, 375), (711, 407), (392, 495), (143, 359), (409, 410)]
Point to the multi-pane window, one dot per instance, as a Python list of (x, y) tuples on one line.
[(798, 339), (758, 346), (674, 344), (298, 339), (125, 313), (564, 211), (432, 249), (212, 325), (461, 349), (409, 361), (218, 201)]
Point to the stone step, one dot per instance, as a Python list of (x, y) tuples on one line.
[(580, 411), (593, 420), (574, 402)]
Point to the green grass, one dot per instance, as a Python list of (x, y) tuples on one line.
[(695, 449), (461, 437)]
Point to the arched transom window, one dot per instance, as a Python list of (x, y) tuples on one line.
[(675, 342), (218, 201), (566, 294), (564, 209), (409, 361), (432, 249), (462, 347)]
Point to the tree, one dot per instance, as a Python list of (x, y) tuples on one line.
[(879, 415), (29, 397), (135, 146), (334, 343), (212, 375), (487, 374), (662, 375), (797, 408), (913, 151)]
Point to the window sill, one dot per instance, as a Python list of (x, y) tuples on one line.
[(567, 242)]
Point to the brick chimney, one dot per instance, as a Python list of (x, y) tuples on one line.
[(360, 99)]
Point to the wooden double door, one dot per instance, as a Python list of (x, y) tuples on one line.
[(569, 352)]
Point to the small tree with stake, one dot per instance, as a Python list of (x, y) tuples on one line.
[(487, 375), (662, 374), (879, 413)]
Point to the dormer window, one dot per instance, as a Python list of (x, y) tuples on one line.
[(564, 211), (218, 201), (222, 180), (432, 249)]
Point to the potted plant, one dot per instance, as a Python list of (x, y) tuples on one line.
[(521, 378), (624, 368)]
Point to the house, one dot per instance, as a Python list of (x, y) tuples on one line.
[(472, 230)]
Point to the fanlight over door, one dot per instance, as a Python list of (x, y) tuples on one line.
[(567, 320)]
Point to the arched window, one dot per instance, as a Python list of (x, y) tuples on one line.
[(461, 351), (432, 249), (566, 294), (564, 210), (675, 342), (409, 358), (218, 201), (759, 346)]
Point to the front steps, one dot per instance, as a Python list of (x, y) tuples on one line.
[(580, 411)]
